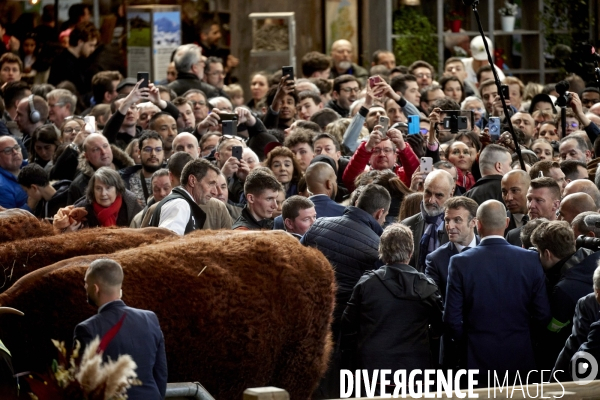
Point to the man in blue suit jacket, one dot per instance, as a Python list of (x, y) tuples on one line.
[(494, 292), (321, 181), (140, 335), (459, 222)]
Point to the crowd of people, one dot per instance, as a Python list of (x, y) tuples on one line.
[(472, 264)]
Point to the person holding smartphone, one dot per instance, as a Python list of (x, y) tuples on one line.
[(282, 105)]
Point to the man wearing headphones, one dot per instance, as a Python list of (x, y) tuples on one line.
[(32, 112)]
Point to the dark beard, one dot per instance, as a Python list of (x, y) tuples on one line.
[(151, 168)]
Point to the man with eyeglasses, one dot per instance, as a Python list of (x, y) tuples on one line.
[(138, 178), (97, 152), (345, 91), (23, 117), (61, 104), (214, 74), (199, 103), (190, 71), (12, 194), (382, 153), (423, 71)]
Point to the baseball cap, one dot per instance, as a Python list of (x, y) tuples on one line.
[(478, 48)]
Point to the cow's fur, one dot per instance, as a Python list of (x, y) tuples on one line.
[(16, 224), (258, 315), (20, 257)]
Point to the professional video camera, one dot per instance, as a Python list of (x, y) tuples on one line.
[(564, 96), (587, 242)]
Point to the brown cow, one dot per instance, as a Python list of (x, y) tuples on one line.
[(20, 257), (259, 313), (18, 224)]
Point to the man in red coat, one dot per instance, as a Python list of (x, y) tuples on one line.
[(382, 153)]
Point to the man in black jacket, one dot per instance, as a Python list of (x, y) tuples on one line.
[(398, 297), (494, 162), (568, 278), (261, 190), (351, 244), (138, 178), (190, 71)]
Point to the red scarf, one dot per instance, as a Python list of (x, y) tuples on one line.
[(107, 216), (465, 178)]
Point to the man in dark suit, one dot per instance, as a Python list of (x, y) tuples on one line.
[(514, 193), (459, 221), (495, 291), (543, 200), (321, 181), (139, 336), (428, 225), (494, 162)]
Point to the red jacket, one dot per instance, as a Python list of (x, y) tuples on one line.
[(361, 158)]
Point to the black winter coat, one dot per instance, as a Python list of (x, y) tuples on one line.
[(351, 244), (389, 316)]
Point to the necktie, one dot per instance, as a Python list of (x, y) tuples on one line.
[(525, 219)]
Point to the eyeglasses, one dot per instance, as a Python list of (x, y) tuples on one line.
[(574, 124), (149, 150), (228, 137), (220, 73), (59, 104), (350, 90), (424, 131), (200, 103), (423, 76), (70, 117), (71, 130), (9, 150), (385, 150)]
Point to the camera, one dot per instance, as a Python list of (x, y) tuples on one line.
[(564, 96), (587, 242), (455, 123)]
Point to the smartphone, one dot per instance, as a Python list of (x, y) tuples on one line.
[(90, 123), (494, 128), (145, 76), (236, 151), (505, 93), (228, 116), (288, 71), (426, 164), (373, 81), (413, 125), (385, 123), (229, 127)]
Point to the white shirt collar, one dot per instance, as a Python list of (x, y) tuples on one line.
[(492, 237), (518, 219), (472, 244)]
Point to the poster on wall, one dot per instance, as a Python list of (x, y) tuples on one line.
[(341, 22), (166, 38), (139, 42)]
